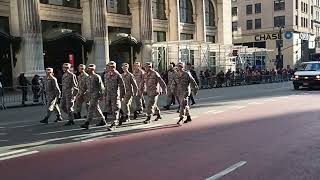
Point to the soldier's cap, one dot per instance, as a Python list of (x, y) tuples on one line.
[(67, 65), (149, 64), (112, 64), (92, 66), (125, 65), (82, 66), (49, 70), (137, 63), (181, 64)]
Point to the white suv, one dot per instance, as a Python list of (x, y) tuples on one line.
[(308, 75)]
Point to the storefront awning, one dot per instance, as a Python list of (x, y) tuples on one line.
[(63, 34), (124, 39)]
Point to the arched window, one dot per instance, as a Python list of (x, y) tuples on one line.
[(210, 13), (118, 6), (186, 11), (158, 9)]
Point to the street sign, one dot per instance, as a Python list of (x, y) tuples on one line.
[(288, 35)]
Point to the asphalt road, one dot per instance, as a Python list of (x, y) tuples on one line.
[(254, 132)]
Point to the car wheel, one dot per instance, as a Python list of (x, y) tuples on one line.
[(296, 87)]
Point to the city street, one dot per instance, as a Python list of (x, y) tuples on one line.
[(257, 132)]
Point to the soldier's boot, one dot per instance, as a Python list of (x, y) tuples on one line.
[(158, 117), (135, 115), (126, 118), (180, 120), (59, 118), (45, 120), (102, 123), (85, 125), (112, 127), (178, 110), (167, 107), (188, 119), (69, 123), (77, 115), (148, 120)]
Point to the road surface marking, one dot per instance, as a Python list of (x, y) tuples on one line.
[(255, 103), (18, 155), (3, 140), (13, 152), (176, 118), (237, 107), (269, 100), (214, 112), (227, 171)]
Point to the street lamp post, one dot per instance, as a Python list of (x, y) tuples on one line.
[(280, 57)]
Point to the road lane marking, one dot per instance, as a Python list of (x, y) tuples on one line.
[(18, 155), (214, 112), (227, 171), (269, 100), (238, 107), (13, 152), (255, 103)]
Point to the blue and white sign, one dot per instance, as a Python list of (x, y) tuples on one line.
[(288, 35)]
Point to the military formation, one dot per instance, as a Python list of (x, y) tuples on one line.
[(122, 94)]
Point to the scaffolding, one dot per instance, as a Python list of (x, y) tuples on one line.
[(204, 55)]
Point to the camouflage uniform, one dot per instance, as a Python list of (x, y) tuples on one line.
[(181, 86), (95, 92), (69, 90), (131, 90), (139, 74), (53, 94), (82, 94), (114, 92), (170, 95), (152, 80)]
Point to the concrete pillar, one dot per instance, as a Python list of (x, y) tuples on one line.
[(146, 30), (135, 9), (224, 22), (32, 47), (200, 21), (100, 34)]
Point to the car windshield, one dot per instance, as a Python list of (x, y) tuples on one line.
[(310, 67)]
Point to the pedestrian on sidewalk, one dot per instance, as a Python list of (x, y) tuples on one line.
[(182, 85), (23, 85), (152, 80), (195, 77), (138, 99), (69, 92), (131, 90), (169, 78), (82, 94), (53, 94), (95, 89), (35, 87), (114, 92)]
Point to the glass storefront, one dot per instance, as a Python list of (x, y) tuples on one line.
[(5, 55), (118, 6)]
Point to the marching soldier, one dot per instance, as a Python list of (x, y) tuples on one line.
[(82, 94), (95, 92), (53, 95), (69, 90), (181, 85), (115, 91), (151, 80), (131, 90), (138, 99), (170, 76)]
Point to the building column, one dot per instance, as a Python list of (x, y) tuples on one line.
[(174, 20), (200, 21), (146, 30), (100, 34), (224, 22), (32, 47)]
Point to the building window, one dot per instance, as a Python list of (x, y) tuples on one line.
[(279, 21), (297, 20), (257, 8), (210, 13), (159, 36), (234, 26), (186, 11), (211, 39), (249, 24), (279, 5), (65, 3), (297, 4), (234, 11), (185, 36), (159, 9), (249, 9), (257, 23), (118, 7)]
